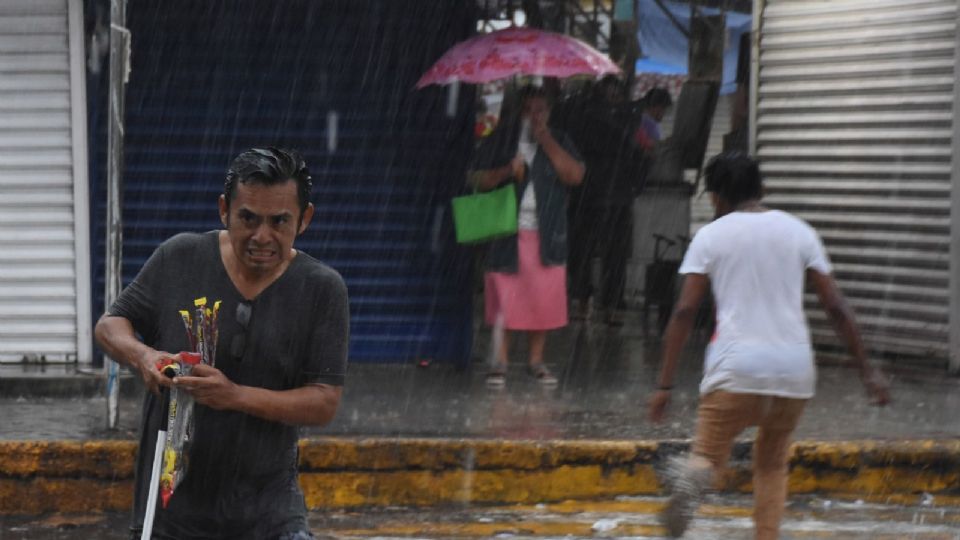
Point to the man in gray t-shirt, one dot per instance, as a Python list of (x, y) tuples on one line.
[(280, 361)]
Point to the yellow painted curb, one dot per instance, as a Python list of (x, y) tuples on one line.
[(37, 477)]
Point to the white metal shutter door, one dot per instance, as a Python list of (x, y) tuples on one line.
[(38, 280), (853, 132)]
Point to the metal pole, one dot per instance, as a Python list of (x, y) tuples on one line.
[(119, 56), (753, 102), (954, 313)]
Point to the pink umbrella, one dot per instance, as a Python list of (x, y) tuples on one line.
[(517, 51)]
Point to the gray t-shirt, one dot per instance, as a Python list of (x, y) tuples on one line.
[(241, 480)]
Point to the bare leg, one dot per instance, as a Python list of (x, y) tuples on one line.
[(503, 351), (538, 341), (499, 354)]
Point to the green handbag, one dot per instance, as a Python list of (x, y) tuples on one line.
[(481, 217)]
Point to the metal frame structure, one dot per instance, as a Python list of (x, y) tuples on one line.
[(81, 190)]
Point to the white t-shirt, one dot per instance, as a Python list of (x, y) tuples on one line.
[(756, 262), (527, 219), (527, 148)]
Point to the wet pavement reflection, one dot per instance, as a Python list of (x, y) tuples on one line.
[(722, 517), (606, 376)]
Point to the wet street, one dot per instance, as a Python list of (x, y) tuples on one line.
[(605, 379), (726, 518)]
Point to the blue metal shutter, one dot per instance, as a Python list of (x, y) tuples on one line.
[(210, 79)]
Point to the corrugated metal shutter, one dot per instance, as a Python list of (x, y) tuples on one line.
[(39, 207), (212, 78), (854, 131)]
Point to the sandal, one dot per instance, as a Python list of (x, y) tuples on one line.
[(540, 372), (497, 376)]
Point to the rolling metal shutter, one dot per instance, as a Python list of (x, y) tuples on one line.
[(44, 258), (210, 79), (853, 129)]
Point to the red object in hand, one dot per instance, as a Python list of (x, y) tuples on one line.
[(192, 358), (171, 368)]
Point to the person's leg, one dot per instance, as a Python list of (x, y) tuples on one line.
[(497, 376), (721, 416), (537, 342), (770, 464)]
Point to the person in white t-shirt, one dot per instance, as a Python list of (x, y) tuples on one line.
[(759, 368)]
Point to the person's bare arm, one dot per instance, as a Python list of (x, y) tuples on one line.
[(118, 339), (695, 287), (488, 179), (845, 325), (310, 405), (569, 170)]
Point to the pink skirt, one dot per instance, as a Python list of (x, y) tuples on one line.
[(535, 298)]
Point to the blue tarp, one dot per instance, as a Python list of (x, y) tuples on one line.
[(665, 48)]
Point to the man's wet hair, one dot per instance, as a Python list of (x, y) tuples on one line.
[(269, 166), (657, 97), (734, 177)]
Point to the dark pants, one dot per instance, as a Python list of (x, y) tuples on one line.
[(607, 233)]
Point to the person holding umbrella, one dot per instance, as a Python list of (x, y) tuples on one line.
[(525, 275), (525, 281)]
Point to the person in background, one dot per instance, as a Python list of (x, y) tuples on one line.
[(525, 274), (759, 368), (601, 210), (653, 107)]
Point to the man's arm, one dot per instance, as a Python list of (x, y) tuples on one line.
[(684, 315), (309, 405), (117, 337), (845, 325)]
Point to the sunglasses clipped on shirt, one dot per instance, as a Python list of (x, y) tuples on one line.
[(238, 346)]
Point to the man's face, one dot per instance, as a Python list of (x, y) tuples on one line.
[(262, 223)]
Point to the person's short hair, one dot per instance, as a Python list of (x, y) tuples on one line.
[(734, 177), (269, 166), (657, 97)]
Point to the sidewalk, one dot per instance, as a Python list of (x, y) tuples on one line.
[(406, 435), (605, 380)]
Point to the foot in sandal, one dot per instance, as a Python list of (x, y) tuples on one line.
[(540, 372), (497, 376)]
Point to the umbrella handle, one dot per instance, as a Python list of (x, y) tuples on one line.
[(155, 470)]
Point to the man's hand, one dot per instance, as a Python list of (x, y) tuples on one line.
[(147, 366), (878, 388), (658, 405), (209, 386)]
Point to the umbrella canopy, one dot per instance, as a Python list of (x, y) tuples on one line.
[(517, 51)]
